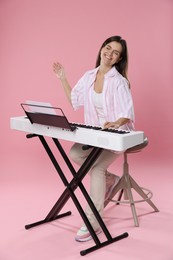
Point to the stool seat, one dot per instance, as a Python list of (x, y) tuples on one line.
[(127, 183), (138, 148)]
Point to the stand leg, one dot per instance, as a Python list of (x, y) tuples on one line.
[(91, 249), (69, 193)]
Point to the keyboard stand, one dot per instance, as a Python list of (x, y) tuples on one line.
[(69, 193)]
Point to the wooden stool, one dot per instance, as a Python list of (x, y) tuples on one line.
[(126, 183)]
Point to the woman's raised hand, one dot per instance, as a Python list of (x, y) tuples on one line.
[(59, 70)]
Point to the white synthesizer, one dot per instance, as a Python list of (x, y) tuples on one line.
[(118, 140)]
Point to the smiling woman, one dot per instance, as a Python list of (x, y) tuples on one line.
[(111, 54), (35, 33), (119, 47), (105, 95)]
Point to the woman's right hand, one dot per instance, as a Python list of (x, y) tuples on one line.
[(59, 70), (60, 73)]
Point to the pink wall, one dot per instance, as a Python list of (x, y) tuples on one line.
[(35, 33)]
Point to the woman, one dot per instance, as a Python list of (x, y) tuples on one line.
[(104, 92)]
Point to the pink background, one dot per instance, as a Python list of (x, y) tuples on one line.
[(35, 33)]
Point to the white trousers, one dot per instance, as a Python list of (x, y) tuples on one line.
[(97, 177)]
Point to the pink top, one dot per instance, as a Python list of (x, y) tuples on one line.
[(117, 99)]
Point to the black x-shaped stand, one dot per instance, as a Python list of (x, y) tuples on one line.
[(69, 193)]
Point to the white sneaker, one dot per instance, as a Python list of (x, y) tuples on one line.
[(84, 235)]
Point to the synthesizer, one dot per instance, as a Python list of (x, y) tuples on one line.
[(116, 140)]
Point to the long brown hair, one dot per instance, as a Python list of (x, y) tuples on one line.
[(122, 65)]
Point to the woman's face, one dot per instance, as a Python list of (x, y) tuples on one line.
[(111, 53)]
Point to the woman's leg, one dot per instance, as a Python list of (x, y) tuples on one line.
[(97, 177), (98, 183), (79, 155)]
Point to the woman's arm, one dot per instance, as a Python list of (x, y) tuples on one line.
[(60, 73)]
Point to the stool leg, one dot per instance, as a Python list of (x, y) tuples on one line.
[(125, 174), (131, 200), (125, 185), (138, 189), (120, 196)]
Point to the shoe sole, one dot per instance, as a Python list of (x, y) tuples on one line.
[(78, 239)]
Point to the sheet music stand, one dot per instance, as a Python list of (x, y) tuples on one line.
[(76, 182), (47, 115)]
